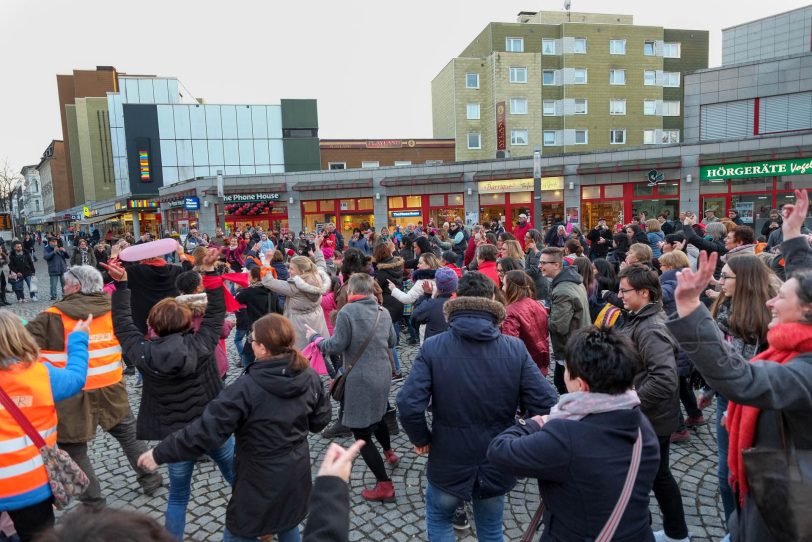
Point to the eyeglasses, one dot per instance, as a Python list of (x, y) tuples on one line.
[(500, 272), (542, 262), (627, 290), (726, 277)]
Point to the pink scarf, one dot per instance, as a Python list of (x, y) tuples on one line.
[(577, 405)]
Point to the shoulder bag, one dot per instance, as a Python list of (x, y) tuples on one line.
[(340, 381), (66, 477), (612, 523)]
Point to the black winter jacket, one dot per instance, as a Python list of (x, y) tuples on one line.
[(596, 249), (21, 263), (151, 284), (180, 371), (257, 299), (270, 410), (429, 311), (385, 270)]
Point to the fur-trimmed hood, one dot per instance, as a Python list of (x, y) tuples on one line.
[(464, 304), (196, 303), (393, 263), (309, 288)]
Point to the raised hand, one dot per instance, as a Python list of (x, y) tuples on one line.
[(690, 284), (795, 214), (114, 269)]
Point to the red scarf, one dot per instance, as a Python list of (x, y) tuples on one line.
[(241, 279), (786, 341)]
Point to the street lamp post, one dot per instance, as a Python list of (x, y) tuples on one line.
[(537, 188), (221, 197)]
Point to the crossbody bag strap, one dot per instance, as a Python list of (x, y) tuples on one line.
[(612, 523), (366, 342), (18, 415)]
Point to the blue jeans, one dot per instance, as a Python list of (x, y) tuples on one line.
[(180, 485), (723, 471), (57, 279), (239, 342), (291, 535), (440, 508), (395, 349)]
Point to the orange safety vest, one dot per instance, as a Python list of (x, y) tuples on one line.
[(104, 367), (21, 468)]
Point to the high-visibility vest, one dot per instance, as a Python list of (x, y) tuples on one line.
[(21, 468), (104, 367)]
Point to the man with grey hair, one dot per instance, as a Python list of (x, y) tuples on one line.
[(103, 401)]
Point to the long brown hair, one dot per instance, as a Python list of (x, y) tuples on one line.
[(749, 315), (277, 335), (519, 286)]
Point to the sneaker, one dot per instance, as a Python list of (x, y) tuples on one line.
[(336, 430), (460, 519), (660, 536), (35, 299), (681, 436), (397, 377), (695, 421)]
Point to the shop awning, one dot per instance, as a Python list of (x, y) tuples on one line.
[(523, 173), (98, 218), (754, 156), (280, 187), (334, 185), (422, 180), (179, 195), (631, 165)]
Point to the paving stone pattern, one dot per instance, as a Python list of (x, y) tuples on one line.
[(693, 464)]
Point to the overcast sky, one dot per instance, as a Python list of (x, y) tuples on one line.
[(369, 63)]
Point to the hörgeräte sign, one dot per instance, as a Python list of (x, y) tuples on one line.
[(749, 170)]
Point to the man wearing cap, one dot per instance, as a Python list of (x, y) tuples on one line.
[(103, 401), (521, 229)]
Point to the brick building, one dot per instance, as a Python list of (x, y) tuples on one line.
[(366, 153)]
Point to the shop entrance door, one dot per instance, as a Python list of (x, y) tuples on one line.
[(183, 228), (593, 211)]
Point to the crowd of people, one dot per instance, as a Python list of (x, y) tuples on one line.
[(644, 324)]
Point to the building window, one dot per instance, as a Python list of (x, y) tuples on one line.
[(550, 138), (579, 46), (649, 107), (649, 78), (579, 76), (581, 137), (518, 137), (580, 107), (514, 45), (518, 75), (474, 140), (471, 80), (617, 107), (548, 47), (518, 106), (548, 77), (403, 162), (617, 137), (670, 136), (649, 48), (617, 47), (370, 163), (671, 79), (649, 137), (336, 165), (548, 108), (671, 108), (671, 50), (472, 112), (617, 77)]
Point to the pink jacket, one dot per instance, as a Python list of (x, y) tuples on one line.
[(328, 305)]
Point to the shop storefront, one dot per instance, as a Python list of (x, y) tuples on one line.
[(146, 211), (618, 203), (264, 210), (428, 208), (752, 188), (505, 199), (347, 214), (182, 215)]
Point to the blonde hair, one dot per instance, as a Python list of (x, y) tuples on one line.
[(431, 259), (16, 343), (676, 259), (653, 225), (513, 249), (642, 252), (307, 270)]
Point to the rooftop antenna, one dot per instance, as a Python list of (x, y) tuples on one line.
[(567, 5)]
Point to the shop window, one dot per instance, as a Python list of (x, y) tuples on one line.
[(590, 192), (327, 205), (714, 187), (613, 191), (365, 204), (668, 189), (310, 206), (437, 200), (521, 197), (643, 189), (395, 202), (347, 205), (763, 184), (794, 182), (455, 199), (492, 199), (413, 201)]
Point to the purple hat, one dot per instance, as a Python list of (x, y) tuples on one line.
[(446, 280)]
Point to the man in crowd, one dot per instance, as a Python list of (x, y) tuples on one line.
[(193, 240), (103, 401), (474, 377), (521, 229), (57, 258), (569, 307), (600, 239)]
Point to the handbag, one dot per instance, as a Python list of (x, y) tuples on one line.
[(340, 382), (781, 479), (612, 523), (33, 288), (67, 479)]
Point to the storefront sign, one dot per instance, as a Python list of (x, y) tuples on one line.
[(385, 144), (795, 166), (745, 210), (257, 197), (552, 183), (501, 130), (177, 204), (191, 203), (508, 185), (654, 177), (137, 204), (404, 214)]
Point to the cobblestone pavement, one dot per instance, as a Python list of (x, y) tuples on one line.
[(693, 464)]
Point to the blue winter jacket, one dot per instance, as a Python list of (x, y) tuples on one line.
[(57, 261), (65, 383), (475, 379)]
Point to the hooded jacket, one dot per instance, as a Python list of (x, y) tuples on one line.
[(197, 304), (270, 410), (179, 369), (474, 377), (569, 308), (150, 284), (386, 270), (429, 311)]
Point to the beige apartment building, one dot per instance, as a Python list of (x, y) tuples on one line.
[(91, 151), (565, 82)]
